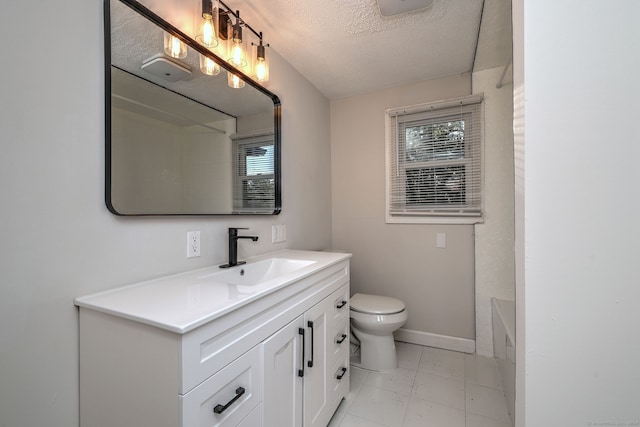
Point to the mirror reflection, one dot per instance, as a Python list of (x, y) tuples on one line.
[(180, 142)]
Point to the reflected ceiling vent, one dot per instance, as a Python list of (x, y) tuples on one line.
[(397, 7), (166, 68)]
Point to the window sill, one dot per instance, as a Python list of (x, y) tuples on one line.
[(434, 219)]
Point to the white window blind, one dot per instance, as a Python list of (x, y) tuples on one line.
[(254, 179), (434, 160)]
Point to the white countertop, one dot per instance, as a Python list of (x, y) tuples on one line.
[(182, 302)]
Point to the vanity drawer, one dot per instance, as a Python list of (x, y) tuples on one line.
[(341, 339), (340, 311), (338, 384), (227, 397)]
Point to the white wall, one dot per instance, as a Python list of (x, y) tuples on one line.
[(58, 239), (397, 260), (576, 83), (494, 257)]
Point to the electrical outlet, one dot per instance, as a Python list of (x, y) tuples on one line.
[(193, 244), (441, 240)]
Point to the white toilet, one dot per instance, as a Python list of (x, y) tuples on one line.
[(373, 320)]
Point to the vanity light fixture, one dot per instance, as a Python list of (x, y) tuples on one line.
[(218, 21), (258, 67)]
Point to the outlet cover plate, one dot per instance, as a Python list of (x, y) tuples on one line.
[(193, 244)]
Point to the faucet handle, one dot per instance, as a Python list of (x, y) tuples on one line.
[(233, 231)]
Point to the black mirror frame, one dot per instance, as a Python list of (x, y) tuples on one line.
[(166, 26)]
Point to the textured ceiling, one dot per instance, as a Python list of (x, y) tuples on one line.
[(346, 47)]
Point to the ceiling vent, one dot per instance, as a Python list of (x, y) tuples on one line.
[(166, 68), (397, 7)]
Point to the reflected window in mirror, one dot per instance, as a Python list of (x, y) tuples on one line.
[(253, 172)]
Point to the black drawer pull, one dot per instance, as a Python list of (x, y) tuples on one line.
[(341, 339), (301, 371), (342, 371), (341, 304), (221, 408), (310, 326)]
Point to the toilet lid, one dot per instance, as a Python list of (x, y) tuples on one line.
[(375, 304)]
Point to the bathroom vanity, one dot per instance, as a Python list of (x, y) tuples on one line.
[(261, 344)]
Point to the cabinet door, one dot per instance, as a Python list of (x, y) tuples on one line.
[(316, 391), (283, 370)]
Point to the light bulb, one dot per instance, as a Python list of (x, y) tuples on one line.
[(208, 34), (209, 66), (174, 47), (234, 81), (261, 71), (261, 66), (237, 55)]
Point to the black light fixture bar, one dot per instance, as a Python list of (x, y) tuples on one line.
[(237, 16)]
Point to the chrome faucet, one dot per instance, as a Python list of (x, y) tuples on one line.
[(233, 246)]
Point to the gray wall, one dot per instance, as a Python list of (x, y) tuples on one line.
[(397, 260), (58, 241)]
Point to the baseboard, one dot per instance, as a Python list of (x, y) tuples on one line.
[(428, 339)]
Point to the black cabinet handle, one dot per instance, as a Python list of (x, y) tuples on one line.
[(341, 373), (221, 408), (341, 339), (301, 371), (310, 325), (341, 304)]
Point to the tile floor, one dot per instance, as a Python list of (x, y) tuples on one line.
[(430, 388)]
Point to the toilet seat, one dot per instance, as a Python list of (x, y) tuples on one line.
[(375, 304)]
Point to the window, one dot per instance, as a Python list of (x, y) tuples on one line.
[(254, 184), (434, 159)]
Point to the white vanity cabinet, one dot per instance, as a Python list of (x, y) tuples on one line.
[(306, 365), (172, 352)]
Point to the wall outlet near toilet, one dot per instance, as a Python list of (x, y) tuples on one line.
[(278, 233), (193, 244)]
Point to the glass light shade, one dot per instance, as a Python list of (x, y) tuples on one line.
[(209, 26), (207, 36), (261, 64), (209, 66), (237, 56), (174, 47), (262, 71), (234, 81), (235, 47)]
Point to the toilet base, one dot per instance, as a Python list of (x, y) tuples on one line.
[(377, 353)]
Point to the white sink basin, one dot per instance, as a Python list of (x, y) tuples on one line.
[(184, 301), (257, 273)]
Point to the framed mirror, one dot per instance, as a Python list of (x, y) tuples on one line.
[(178, 141)]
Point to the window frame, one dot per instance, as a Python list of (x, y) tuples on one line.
[(240, 143), (395, 147)]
